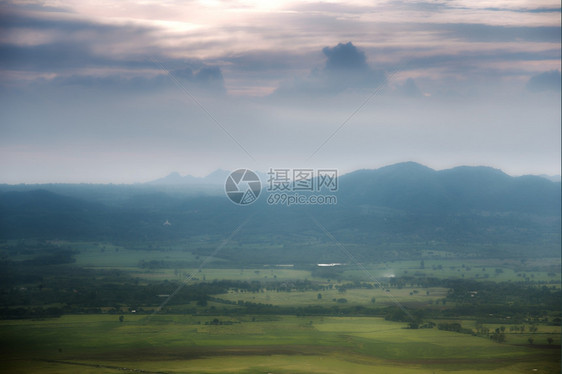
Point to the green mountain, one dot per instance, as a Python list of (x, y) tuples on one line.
[(397, 211)]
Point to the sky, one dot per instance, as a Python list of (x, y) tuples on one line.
[(130, 91)]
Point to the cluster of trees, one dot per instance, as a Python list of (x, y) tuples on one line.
[(498, 335), (29, 289), (455, 327), (515, 293)]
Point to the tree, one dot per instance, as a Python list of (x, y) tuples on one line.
[(121, 318), (373, 300), (530, 340), (498, 336), (202, 300), (319, 297)]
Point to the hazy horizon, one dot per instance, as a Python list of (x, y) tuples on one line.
[(552, 177)]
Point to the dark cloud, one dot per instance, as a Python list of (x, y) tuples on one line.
[(526, 10), (442, 6), (466, 63), (345, 57), (14, 19), (269, 61), (44, 8), (74, 44), (209, 76), (547, 81), (476, 32), (80, 46), (109, 83), (346, 68), (422, 6), (205, 79), (56, 57)]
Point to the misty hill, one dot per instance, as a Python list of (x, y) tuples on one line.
[(394, 211), (552, 178), (44, 214), (215, 178), (417, 188)]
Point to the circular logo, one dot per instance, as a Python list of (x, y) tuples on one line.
[(242, 186)]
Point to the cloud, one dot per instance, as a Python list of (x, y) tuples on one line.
[(345, 57), (206, 79), (547, 81), (345, 69), (80, 89), (210, 76), (60, 49), (254, 54), (476, 32), (54, 58), (53, 50), (53, 44), (409, 89)]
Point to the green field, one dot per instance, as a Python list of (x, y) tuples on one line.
[(187, 344), (330, 297), (176, 258), (276, 318)]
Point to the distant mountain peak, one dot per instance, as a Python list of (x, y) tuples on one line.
[(174, 178), (552, 178), (479, 168), (410, 164), (218, 172), (217, 177), (407, 166)]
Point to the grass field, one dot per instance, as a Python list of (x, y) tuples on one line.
[(330, 297), (179, 259), (188, 344), (199, 343)]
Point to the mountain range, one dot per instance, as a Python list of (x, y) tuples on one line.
[(215, 178), (395, 210), (413, 187), (219, 176)]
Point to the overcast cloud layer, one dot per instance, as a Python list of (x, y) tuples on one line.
[(128, 91)]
